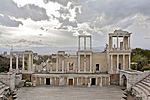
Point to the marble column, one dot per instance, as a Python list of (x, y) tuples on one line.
[(123, 62), (84, 63), (90, 62), (117, 43), (90, 43), (77, 81), (84, 42), (110, 42), (111, 63), (10, 63), (23, 62), (101, 82), (117, 63), (17, 62), (129, 62), (78, 63), (40, 80), (79, 43), (29, 63), (129, 42), (63, 64), (109, 80), (57, 64)]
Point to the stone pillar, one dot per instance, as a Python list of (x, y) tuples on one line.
[(63, 64), (117, 43), (117, 63), (40, 80), (129, 62), (44, 81), (23, 62), (101, 82), (77, 81), (123, 43), (17, 62), (96, 80), (29, 63), (123, 62), (86, 81), (90, 43), (111, 63), (57, 64), (78, 63), (110, 42), (84, 42), (90, 81), (109, 80), (10, 63), (67, 66), (129, 42), (84, 63), (79, 43), (90, 62)]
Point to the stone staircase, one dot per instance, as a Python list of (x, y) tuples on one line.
[(4, 91), (142, 88)]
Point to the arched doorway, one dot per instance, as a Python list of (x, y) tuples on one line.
[(124, 81)]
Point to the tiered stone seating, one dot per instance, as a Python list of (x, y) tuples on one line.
[(3, 91), (143, 88)]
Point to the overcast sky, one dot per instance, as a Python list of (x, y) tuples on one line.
[(44, 25)]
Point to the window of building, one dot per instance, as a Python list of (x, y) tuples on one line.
[(97, 67)]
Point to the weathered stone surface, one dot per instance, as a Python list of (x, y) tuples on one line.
[(70, 93)]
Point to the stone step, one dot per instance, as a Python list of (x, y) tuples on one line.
[(146, 83), (143, 88), (141, 91)]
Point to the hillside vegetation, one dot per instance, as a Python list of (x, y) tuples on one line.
[(140, 59)]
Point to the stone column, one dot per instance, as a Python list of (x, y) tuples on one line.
[(78, 63), (129, 62), (109, 80), (117, 43), (79, 43), (90, 81), (67, 66), (84, 63), (77, 81), (17, 62), (85, 80), (123, 62), (63, 64), (44, 80), (123, 43), (129, 42), (90, 62), (29, 63), (90, 43), (84, 42), (57, 64), (111, 63), (110, 42), (40, 80), (96, 80), (101, 83), (23, 62), (10, 63), (117, 63)]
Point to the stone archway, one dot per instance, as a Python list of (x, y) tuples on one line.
[(124, 81)]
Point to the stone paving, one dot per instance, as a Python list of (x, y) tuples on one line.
[(70, 93)]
